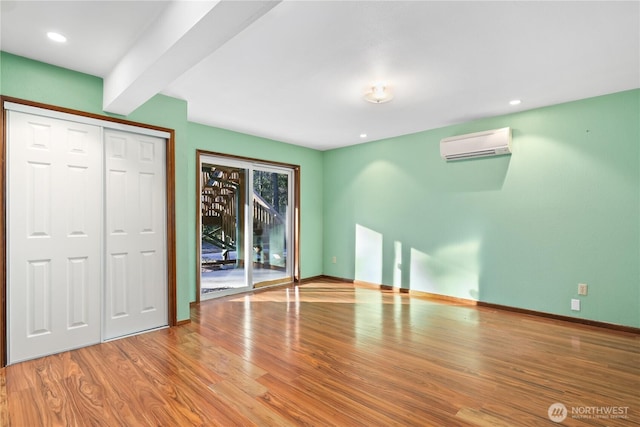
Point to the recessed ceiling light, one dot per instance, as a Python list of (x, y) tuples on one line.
[(363, 135), (56, 37), (515, 102)]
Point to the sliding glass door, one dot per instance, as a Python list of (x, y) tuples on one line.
[(271, 225), (223, 189), (246, 225)]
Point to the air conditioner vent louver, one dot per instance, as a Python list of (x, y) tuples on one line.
[(480, 144)]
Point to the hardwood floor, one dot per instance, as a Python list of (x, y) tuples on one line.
[(329, 353)]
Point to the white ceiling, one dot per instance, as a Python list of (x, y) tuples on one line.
[(296, 71)]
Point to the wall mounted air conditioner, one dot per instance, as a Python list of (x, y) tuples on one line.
[(480, 144)]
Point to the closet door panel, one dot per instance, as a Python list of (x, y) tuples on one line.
[(136, 271), (54, 235)]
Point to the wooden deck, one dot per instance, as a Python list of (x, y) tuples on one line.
[(329, 353)]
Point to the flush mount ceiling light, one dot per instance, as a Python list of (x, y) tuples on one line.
[(515, 102), (56, 37), (378, 94)]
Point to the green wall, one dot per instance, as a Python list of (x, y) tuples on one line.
[(520, 230), (39, 82)]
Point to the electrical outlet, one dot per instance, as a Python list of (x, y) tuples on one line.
[(334, 259), (575, 305), (582, 289)]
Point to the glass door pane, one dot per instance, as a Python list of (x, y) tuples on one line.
[(223, 194), (271, 226)]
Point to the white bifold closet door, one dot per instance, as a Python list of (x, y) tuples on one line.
[(86, 215), (54, 207), (136, 272)]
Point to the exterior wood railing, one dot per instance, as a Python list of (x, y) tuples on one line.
[(219, 206)]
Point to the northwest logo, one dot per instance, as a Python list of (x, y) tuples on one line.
[(557, 412)]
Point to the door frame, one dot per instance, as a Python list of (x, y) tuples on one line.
[(170, 202), (295, 267)]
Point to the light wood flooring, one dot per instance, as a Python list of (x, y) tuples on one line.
[(329, 353)]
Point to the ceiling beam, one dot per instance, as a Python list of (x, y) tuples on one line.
[(184, 34)]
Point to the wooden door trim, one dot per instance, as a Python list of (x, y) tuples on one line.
[(170, 207)]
